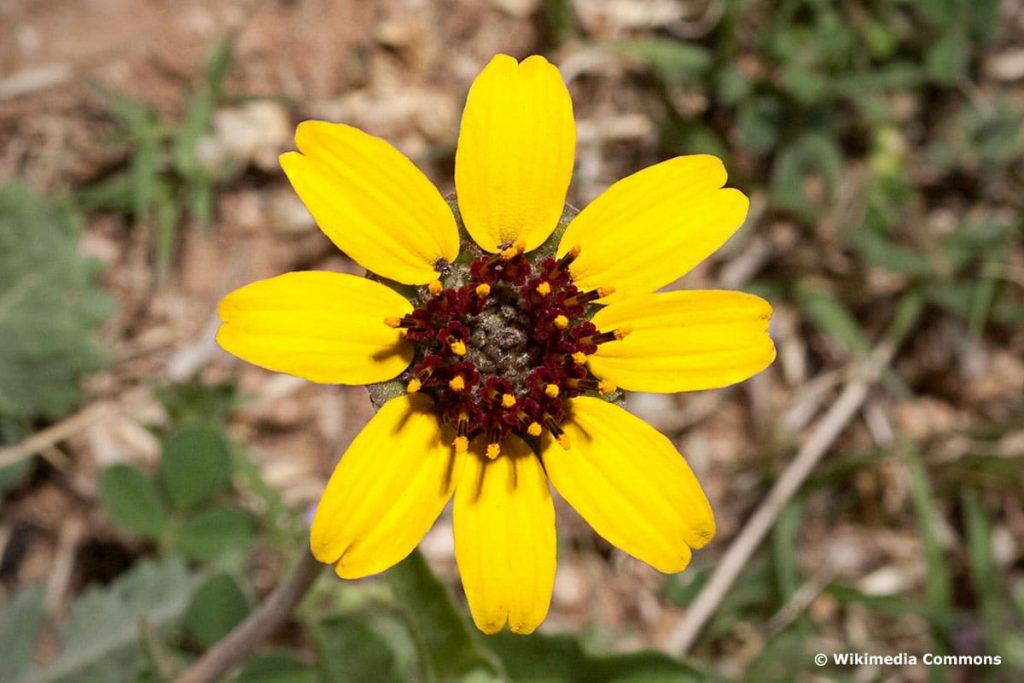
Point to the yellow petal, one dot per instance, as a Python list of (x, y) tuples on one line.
[(515, 154), (504, 524), (326, 327), (652, 227), (371, 201), (684, 341), (629, 482), (386, 491)]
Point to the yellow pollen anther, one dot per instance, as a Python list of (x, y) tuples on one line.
[(461, 444), (483, 290), (579, 358), (563, 441), (513, 251), (413, 386), (551, 390), (508, 400), (606, 387), (623, 332), (458, 347), (393, 322), (566, 259), (435, 287), (561, 322), (534, 429), (605, 291), (493, 450), (457, 383), (543, 288)]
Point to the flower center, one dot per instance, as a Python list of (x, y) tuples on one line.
[(503, 348)]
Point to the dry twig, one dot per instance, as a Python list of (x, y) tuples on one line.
[(53, 434), (259, 625), (743, 546)]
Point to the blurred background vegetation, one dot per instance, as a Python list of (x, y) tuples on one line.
[(153, 489)]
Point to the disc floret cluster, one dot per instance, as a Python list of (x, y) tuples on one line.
[(502, 353)]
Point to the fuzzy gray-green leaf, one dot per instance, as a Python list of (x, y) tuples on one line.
[(50, 305)]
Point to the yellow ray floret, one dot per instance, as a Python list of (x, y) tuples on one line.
[(371, 201), (323, 326), (652, 227), (685, 341), (504, 524), (629, 482), (515, 153), (399, 497)]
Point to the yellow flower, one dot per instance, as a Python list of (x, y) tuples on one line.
[(504, 366)]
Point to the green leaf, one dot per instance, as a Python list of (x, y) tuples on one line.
[(217, 606), (677, 135), (145, 174), (985, 20), (784, 548), (561, 659), (732, 87), (101, 637), (938, 583), (760, 124), (220, 62), (20, 620), (973, 242), (939, 12), (832, 317), (683, 588), (352, 649), (132, 500), (195, 402), (805, 83), (672, 61), (198, 114), (947, 58), (280, 669), (50, 305), (201, 201), (113, 193), (878, 251), (448, 648), (167, 215), (196, 465), (11, 476), (133, 114), (895, 74), (815, 153), (215, 531), (558, 20), (891, 604), (985, 575)]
